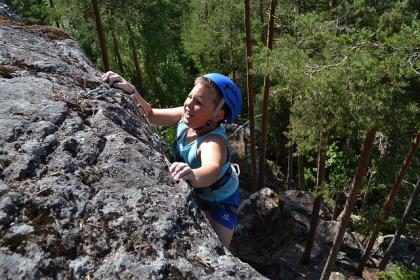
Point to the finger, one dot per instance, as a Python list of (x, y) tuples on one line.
[(183, 174), (114, 79), (105, 76), (181, 166), (173, 166), (119, 85), (174, 174), (177, 168)]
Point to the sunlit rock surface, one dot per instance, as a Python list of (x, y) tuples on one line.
[(84, 189)]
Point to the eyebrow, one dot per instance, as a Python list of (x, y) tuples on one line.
[(201, 101), (197, 98)]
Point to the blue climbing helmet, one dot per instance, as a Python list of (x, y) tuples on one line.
[(230, 93)]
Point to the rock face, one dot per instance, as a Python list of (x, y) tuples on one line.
[(271, 236), (265, 230), (84, 189), (406, 252)]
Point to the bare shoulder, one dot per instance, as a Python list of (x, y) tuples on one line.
[(213, 141), (212, 149), (216, 138)]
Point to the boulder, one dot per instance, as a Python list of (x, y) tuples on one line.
[(406, 251), (271, 236), (265, 235), (351, 245), (84, 187)]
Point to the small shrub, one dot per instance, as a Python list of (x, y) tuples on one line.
[(400, 273)]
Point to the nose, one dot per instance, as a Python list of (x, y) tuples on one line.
[(188, 103)]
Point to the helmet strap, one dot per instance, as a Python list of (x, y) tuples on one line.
[(210, 122)]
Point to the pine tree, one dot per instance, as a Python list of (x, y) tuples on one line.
[(248, 56), (388, 202), (101, 35), (410, 205), (351, 200), (264, 119)]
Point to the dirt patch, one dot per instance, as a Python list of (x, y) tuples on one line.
[(50, 32), (370, 273)]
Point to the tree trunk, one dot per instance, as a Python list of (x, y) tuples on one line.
[(101, 35), (290, 167), (330, 5), (249, 86), (317, 201), (261, 12), (138, 82), (301, 173), (351, 200), (232, 53), (337, 210), (410, 205), (387, 204), (266, 97), (114, 40)]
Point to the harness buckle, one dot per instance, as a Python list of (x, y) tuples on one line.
[(237, 169)]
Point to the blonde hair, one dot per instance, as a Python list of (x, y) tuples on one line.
[(208, 85)]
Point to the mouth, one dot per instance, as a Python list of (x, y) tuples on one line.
[(188, 115)]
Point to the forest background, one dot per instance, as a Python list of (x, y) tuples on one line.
[(337, 71)]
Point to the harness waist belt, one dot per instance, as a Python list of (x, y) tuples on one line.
[(219, 183), (205, 206)]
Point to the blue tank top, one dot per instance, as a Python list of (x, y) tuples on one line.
[(188, 152)]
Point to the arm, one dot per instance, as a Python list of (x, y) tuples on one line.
[(167, 117), (212, 154)]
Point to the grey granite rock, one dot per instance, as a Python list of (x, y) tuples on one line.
[(84, 188), (5, 11)]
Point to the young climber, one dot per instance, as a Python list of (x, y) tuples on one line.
[(202, 154)]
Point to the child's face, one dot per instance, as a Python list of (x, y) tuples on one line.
[(198, 107)]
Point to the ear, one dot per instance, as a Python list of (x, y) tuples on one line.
[(219, 116)]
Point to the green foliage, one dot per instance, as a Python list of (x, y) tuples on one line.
[(168, 134), (32, 11), (345, 76), (73, 14), (400, 273), (310, 176), (167, 74), (339, 164), (275, 169), (213, 35)]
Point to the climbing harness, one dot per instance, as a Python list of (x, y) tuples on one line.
[(205, 205), (221, 181), (218, 184)]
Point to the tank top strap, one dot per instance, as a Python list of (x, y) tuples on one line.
[(180, 128)]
